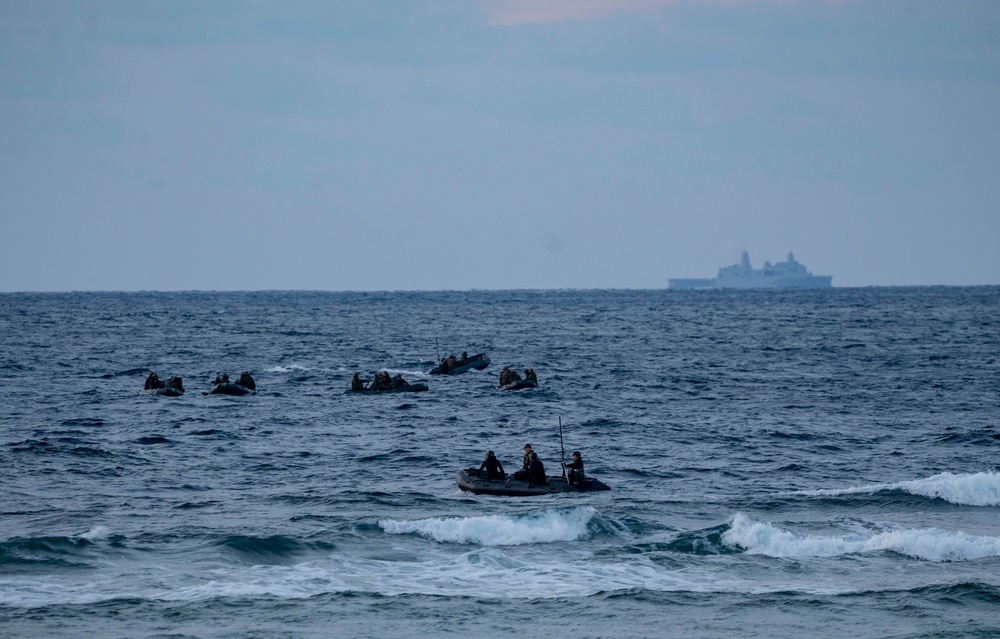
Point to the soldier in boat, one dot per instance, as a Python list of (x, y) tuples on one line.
[(153, 382), (381, 381), (399, 382), (523, 473), (356, 382), (575, 470), (536, 472), (493, 467), (529, 374), (246, 381)]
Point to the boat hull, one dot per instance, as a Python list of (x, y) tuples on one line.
[(165, 392), (469, 481), (230, 389), (476, 362), (419, 387), (519, 385)]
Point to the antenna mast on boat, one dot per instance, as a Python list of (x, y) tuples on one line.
[(563, 449)]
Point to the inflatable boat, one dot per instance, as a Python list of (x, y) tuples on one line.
[(477, 362), (230, 388), (520, 384), (469, 480)]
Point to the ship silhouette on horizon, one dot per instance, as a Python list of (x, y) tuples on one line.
[(787, 274)]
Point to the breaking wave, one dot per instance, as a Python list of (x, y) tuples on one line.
[(929, 544), (978, 489), (546, 526)]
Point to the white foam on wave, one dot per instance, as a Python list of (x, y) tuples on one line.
[(97, 533), (978, 489), (929, 544), (483, 572), (287, 369), (545, 526)]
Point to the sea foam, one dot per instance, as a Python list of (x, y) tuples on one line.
[(978, 489), (546, 526), (286, 369), (930, 544)]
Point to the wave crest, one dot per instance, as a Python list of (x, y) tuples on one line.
[(929, 544), (546, 526), (978, 489)]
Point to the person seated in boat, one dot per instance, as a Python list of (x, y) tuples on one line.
[(575, 470), (493, 467), (444, 364), (536, 472), (522, 474), (464, 359), (246, 381), (381, 381), (510, 377), (452, 362), (529, 374), (221, 379), (176, 383), (399, 382), (356, 383), (152, 382)]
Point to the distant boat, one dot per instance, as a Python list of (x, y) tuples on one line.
[(476, 362), (787, 274)]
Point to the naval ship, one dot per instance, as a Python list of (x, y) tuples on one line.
[(788, 274)]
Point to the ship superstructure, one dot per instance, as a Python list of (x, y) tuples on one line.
[(787, 274)]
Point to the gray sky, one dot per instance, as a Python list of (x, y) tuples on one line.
[(460, 144)]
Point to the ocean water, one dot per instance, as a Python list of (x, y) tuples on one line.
[(783, 464)]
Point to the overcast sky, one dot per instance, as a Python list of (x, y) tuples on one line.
[(461, 144)]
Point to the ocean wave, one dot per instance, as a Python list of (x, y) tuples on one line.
[(546, 526), (978, 489), (929, 544), (287, 369)]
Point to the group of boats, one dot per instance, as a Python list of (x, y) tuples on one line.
[(450, 365), (469, 479), (222, 385)]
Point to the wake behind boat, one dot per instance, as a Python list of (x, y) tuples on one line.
[(471, 480)]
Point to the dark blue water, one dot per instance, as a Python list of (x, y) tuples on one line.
[(783, 464)]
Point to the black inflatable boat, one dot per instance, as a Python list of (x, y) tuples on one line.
[(230, 388), (419, 387), (520, 384), (470, 481), (477, 362)]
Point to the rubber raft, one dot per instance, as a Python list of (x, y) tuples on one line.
[(419, 387), (520, 384), (476, 362), (230, 388), (470, 481)]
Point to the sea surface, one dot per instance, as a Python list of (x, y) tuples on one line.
[(783, 464)]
